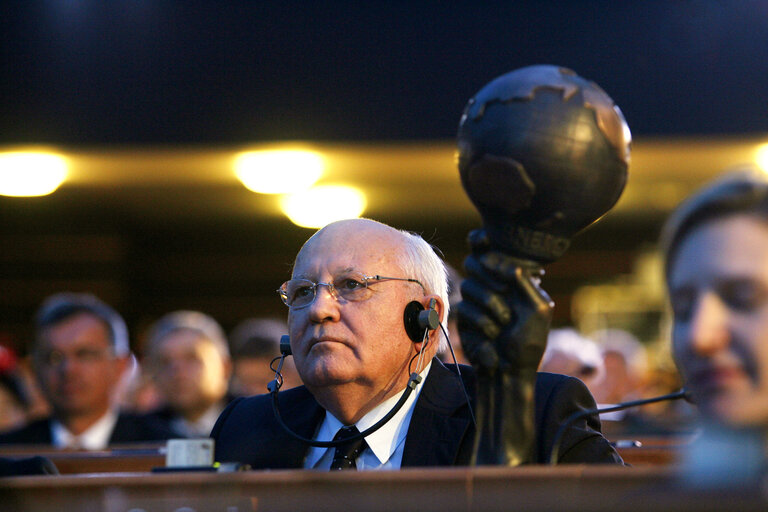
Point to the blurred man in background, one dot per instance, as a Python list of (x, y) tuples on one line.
[(80, 354), (570, 353), (188, 357), (254, 343)]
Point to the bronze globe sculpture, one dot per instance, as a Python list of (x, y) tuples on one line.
[(542, 154)]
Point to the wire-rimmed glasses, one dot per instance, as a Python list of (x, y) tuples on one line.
[(351, 286)]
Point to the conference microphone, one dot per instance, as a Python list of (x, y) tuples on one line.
[(683, 393)]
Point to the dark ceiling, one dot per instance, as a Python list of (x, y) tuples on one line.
[(204, 71)]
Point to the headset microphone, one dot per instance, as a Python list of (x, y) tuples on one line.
[(619, 407), (274, 387), (285, 345)]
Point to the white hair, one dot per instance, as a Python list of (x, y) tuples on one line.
[(205, 326), (420, 261)]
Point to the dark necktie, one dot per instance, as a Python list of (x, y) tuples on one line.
[(346, 453)]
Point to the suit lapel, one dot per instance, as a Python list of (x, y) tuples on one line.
[(439, 432), (302, 414)]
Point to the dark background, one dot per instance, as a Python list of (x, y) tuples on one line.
[(202, 71)]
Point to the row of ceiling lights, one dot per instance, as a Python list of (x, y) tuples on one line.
[(291, 173)]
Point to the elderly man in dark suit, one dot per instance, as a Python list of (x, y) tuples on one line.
[(80, 355), (357, 289)]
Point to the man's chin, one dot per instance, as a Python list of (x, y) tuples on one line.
[(325, 375), (737, 410)]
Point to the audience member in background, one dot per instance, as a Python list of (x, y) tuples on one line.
[(716, 254), (13, 396), (625, 364), (570, 353), (80, 352), (188, 357), (454, 297), (254, 343)]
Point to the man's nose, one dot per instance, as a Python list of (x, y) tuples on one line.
[(326, 305), (709, 325), (67, 365)]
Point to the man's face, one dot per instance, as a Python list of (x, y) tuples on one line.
[(190, 372), (76, 366), (718, 286), (339, 342)]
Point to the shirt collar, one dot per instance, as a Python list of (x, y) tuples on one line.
[(200, 427), (386, 439), (95, 437)]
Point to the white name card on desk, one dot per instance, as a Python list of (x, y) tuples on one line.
[(189, 452)]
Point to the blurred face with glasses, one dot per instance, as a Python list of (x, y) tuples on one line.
[(77, 369), (346, 301)]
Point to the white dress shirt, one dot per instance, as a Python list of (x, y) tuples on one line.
[(202, 426), (385, 446), (95, 437)]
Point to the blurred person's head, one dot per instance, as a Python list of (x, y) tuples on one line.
[(189, 359), (14, 398), (716, 253), (452, 327), (570, 353), (625, 366), (254, 343), (80, 353)]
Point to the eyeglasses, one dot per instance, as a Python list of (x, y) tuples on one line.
[(351, 286), (84, 356)]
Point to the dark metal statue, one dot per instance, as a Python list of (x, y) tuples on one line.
[(543, 153)]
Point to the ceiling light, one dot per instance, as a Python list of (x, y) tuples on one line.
[(761, 157), (321, 205), (279, 171), (31, 173)]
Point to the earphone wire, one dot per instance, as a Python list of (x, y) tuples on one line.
[(458, 373), (274, 388)]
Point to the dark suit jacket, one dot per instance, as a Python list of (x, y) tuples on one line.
[(441, 432), (130, 428)]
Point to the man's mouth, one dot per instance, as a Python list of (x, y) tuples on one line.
[(715, 379), (324, 340)]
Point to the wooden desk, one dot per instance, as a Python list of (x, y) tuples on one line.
[(115, 460), (533, 488), (655, 450)]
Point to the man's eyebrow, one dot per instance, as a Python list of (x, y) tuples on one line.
[(344, 270)]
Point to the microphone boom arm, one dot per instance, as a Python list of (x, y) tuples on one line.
[(620, 407)]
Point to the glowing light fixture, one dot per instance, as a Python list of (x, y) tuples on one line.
[(761, 157), (31, 173), (321, 205), (279, 171)]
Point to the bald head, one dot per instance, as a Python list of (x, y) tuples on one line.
[(355, 234)]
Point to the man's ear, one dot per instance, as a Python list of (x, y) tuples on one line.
[(228, 368), (126, 363)]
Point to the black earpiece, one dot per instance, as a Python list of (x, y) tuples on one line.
[(416, 319)]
